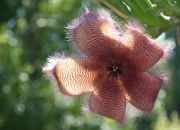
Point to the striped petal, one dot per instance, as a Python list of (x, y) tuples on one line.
[(108, 100), (75, 76), (142, 53), (142, 90), (95, 35)]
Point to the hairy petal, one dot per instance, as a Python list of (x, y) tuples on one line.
[(142, 53), (75, 76), (95, 35), (108, 99), (142, 90)]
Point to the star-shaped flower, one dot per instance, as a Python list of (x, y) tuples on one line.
[(113, 68)]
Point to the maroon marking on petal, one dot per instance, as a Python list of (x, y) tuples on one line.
[(76, 76), (142, 89), (108, 100), (142, 53), (95, 34)]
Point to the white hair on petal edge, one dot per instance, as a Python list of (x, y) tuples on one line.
[(106, 14), (48, 68), (85, 108), (87, 16), (164, 78), (51, 63), (167, 45), (135, 25)]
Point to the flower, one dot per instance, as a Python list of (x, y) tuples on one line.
[(113, 67)]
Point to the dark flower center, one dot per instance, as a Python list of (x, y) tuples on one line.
[(114, 70)]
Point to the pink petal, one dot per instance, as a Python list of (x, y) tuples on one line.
[(142, 90), (74, 76), (95, 34), (142, 53), (108, 100)]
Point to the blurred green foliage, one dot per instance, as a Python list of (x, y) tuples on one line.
[(157, 16), (32, 30)]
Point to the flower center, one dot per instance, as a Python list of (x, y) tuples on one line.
[(114, 70)]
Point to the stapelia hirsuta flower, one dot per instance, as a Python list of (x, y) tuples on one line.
[(113, 68)]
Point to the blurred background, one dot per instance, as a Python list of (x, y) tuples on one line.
[(31, 30)]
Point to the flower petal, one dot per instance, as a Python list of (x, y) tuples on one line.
[(75, 76), (142, 90), (108, 100), (95, 35), (142, 52)]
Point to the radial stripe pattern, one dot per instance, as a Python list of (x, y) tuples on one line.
[(142, 90), (109, 100), (98, 40), (75, 76), (142, 53)]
